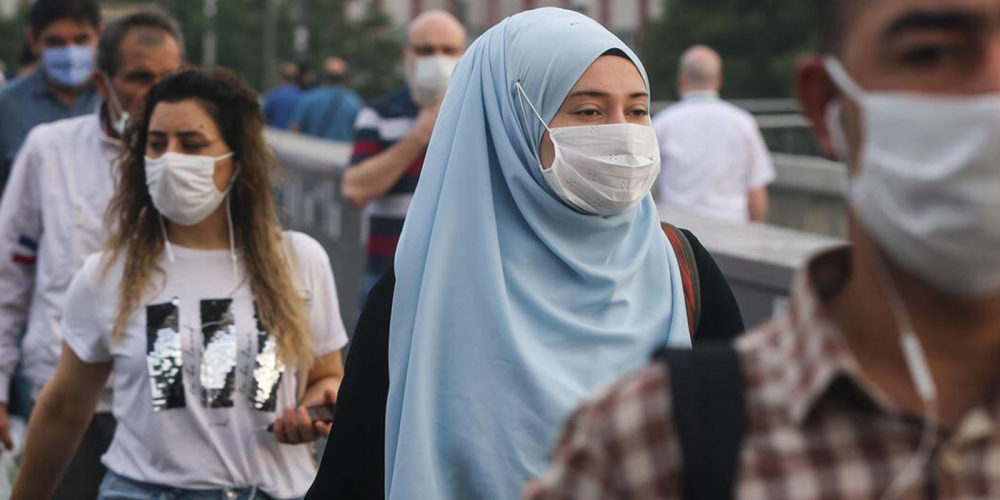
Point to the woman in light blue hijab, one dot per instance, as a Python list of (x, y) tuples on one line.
[(532, 270), (511, 305)]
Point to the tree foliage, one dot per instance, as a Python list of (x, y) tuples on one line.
[(368, 44), (12, 37), (760, 42)]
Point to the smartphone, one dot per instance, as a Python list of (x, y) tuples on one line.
[(319, 413)]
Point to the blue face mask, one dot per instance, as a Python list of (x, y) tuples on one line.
[(69, 66)]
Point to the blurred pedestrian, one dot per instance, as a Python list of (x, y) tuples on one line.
[(52, 218), (213, 322), (518, 289), (881, 381), (281, 102), (330, 110), (63, 35), (715, 161), (391, 137)]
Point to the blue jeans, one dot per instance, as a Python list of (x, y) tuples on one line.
[(117, 487)]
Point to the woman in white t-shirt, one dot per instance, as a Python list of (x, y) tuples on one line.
[(211, 321)]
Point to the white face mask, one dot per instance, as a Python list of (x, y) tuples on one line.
[(183, 186), (928, 182), (428, 80), (601, 169)]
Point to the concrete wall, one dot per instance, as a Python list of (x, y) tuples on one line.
[(809, 195), (759, 261)]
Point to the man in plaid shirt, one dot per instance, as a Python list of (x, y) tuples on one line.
[(842, 402)]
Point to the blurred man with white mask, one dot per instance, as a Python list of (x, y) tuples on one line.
[(882, 379), (391, 137), (52, 218)]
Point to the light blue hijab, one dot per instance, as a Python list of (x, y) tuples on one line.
[(510, 307)]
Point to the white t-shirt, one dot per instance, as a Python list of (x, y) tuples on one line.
[(713, 154), (195, 380)]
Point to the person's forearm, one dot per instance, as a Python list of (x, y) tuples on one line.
[(758, 202), (314, 393), (54, 432), (375, 176)]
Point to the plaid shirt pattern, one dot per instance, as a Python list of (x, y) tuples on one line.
[(817, 430)]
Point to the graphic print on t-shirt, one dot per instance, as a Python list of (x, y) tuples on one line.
[(219, 359), (218, 364), (267, 371), (163, 355)]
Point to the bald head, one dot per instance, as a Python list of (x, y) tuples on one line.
[(701, 70), (335, 66), (334, 71), (435, 32), (436, 22)]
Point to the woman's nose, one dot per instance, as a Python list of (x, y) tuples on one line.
[(616, 115)]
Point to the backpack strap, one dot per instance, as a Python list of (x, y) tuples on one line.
[(709, 408), (689, 273)]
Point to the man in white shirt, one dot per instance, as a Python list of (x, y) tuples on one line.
[(52, 217), (715, 161)]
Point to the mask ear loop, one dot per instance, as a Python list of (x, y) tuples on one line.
[(113, 95), (523, 97), (843, 79), (835, 127)]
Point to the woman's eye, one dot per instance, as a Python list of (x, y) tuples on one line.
[(588, 112), (639, 112), (193, 146), (154, 146)]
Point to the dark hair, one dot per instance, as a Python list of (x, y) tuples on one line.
[(45, 12), (153, 19), (136, 233)]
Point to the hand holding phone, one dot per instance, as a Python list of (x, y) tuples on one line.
[(319, 413)]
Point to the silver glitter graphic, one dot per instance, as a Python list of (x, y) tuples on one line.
[(267, 372), (163, 356), (218, 363)]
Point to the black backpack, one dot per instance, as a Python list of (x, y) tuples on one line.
[(709, 407)]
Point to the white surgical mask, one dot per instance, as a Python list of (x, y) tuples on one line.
[(429, 77), (928, 182), (601, 169), (183, 186)]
